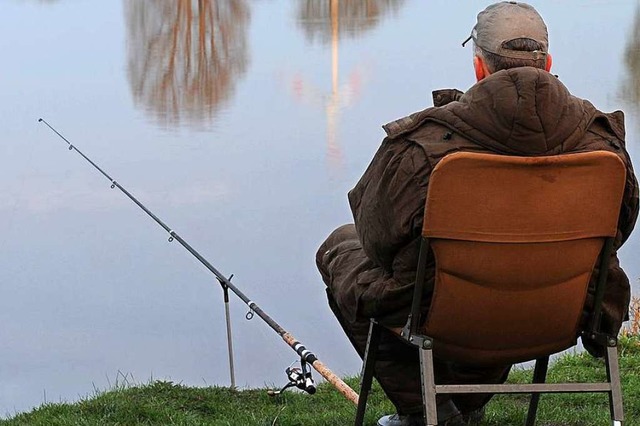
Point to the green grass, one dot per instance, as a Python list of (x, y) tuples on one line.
[(167, 403)]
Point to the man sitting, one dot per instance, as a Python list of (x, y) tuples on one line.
[(516, 108)]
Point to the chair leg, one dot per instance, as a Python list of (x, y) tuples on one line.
[(615, 396), (428, 387), (539, 376), (368, 363)]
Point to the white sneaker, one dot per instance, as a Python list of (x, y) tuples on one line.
[(448, 415)]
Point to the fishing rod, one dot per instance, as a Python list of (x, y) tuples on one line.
[(300, 378)]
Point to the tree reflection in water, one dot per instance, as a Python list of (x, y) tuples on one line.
[(328, 21), (185, 56), (631, 85), (356, 16)]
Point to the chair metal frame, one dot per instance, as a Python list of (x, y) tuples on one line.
[(411, 335)]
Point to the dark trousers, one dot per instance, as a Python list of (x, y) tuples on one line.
[(397, 368)]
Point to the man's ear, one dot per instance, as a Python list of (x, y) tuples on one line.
[(549, 62), (480, 68)]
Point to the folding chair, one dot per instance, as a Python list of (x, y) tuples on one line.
[(514, 242)]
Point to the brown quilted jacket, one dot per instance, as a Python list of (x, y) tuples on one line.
[(521, 111)]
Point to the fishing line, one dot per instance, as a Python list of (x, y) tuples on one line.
[(302, 378)]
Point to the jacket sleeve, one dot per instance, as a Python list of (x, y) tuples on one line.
[(629, 209), (388, 201), (388, 208), (618, 291)]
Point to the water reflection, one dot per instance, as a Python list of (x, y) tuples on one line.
[(631, 85), (328, 22), (356, 16), (185, 56)]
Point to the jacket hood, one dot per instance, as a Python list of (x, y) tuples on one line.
[(525, 111), (521, 111)]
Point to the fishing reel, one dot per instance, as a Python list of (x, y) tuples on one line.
[(299, 377)]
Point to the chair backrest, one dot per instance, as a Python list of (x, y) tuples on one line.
[(515, 241)]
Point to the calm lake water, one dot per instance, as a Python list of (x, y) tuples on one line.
[(242, 124)]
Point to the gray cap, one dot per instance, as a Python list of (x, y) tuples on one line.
[(506, 21)]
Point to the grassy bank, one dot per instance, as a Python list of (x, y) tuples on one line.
[(166, 403)]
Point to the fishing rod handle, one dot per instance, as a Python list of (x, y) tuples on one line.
[(336, 381), (329, 375)]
